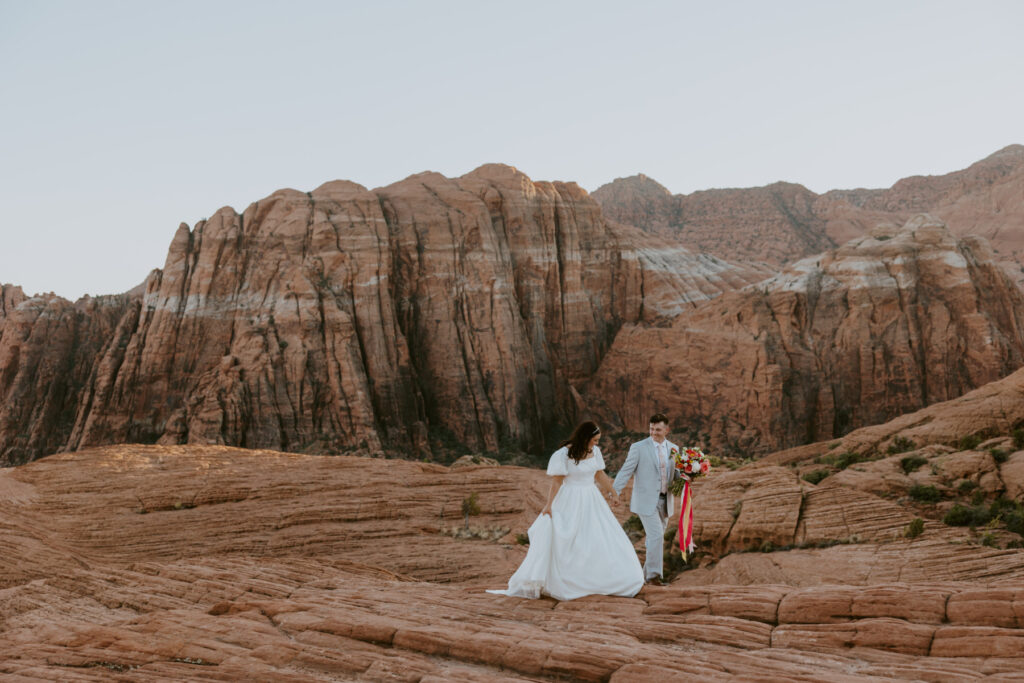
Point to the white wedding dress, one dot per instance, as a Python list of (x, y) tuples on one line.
[(579, 549)]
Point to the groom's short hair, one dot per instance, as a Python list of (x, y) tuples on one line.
[(659, 417)]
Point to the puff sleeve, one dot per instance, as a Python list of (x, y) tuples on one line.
[(600, 458), (558, 465)]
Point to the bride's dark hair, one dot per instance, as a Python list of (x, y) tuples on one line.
[(579, 440)]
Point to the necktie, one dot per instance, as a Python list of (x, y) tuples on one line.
[(661, 467)]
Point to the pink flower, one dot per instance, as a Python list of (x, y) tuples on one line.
[(705, 467)]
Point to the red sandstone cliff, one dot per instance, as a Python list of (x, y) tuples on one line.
[(441, 313), (431, 311), (879, 327), (775, 224), (48, 353), (783, 222)]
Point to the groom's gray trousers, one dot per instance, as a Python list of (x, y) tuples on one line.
[(654, 530)]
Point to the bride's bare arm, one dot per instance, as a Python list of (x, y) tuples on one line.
[(604, 482), (556, 483)]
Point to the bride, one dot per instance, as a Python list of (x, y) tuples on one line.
[(577, 547)]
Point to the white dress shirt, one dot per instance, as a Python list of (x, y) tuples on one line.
[(663, 464)]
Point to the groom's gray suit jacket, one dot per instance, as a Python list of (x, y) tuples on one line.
[(642, 463)]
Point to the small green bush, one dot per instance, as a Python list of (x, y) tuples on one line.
[(844, 460), (1015, 522), (998, 454), (925, 493), (958, 515), (633, 524), (989, 540), (973, 516), (912, 462), (816, 476), (969, 442), (522, 539), (1011, 513), (1018, 438), (915, 528), (470, 506), (900, 444), (966, 486)]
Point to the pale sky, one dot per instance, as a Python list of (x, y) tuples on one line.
[(120, 120)]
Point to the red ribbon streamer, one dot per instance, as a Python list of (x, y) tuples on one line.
[(686, 522)]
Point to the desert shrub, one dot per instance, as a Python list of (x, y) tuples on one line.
[(843, 460), (633, 524), (816, 476), (989, 540), (1010, 512), (912, 462), (1018, 438), (1015, 522), (925, 493), (966, 486), (915, 528), (958, 515), (962, 515), (900, 444), (470, 506), (522, 539), (969, 442), (998, 454)]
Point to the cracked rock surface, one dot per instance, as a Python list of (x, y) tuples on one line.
[(214, 563)]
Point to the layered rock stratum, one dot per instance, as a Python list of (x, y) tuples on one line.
[(885, 325), (488, 313), (432, 311), (783, 222)]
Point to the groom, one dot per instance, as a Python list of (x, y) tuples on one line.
[(651, 501)]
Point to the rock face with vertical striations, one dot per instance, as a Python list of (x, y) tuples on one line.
[(433, 311), (882, 326), (48, 359)]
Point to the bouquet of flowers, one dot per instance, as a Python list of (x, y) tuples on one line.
[(689, 461), (693, 463)]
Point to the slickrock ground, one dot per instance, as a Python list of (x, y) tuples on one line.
[(212, 563), (882, 326), (783, 222), (427, 313)]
